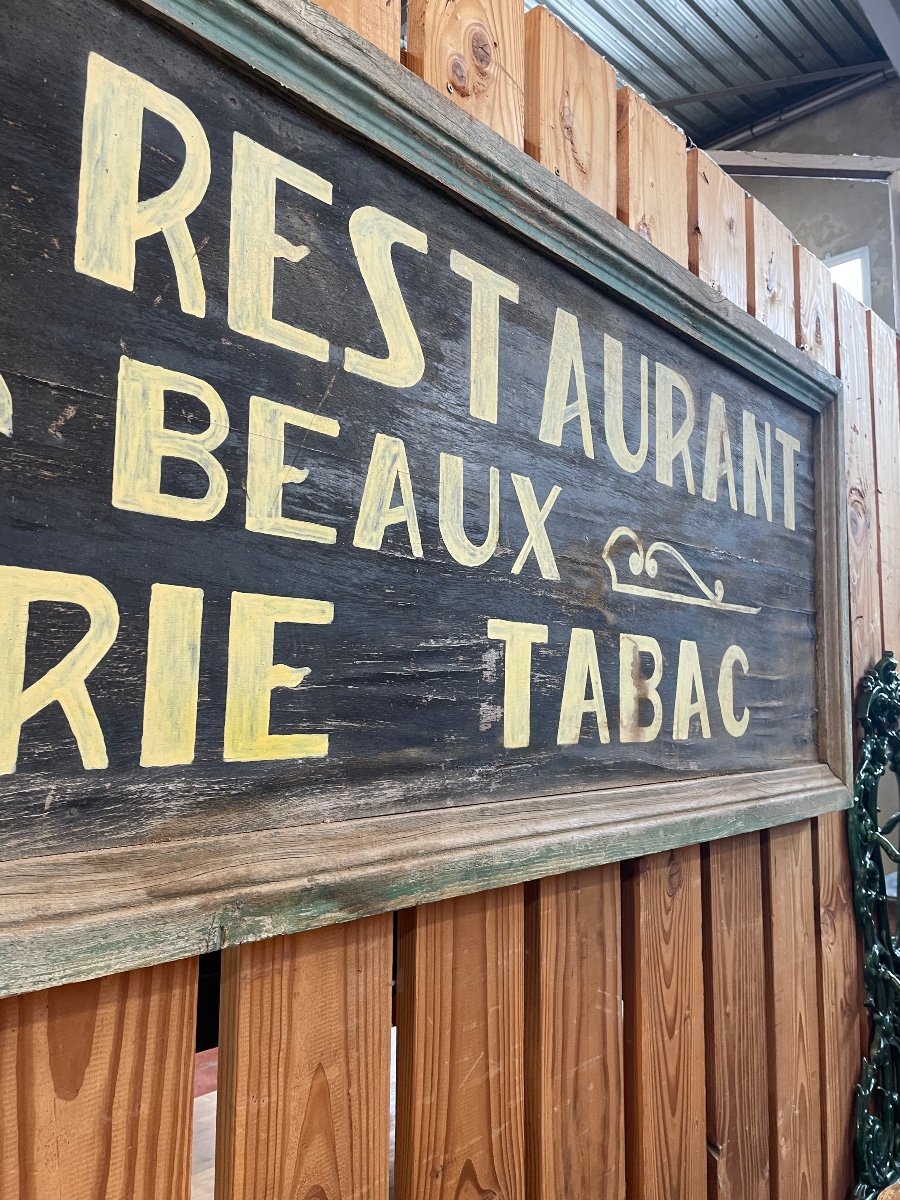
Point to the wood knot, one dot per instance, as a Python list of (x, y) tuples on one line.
[(818, 330), (732, 226), (567, 119), (459, 75), (674, 876), (481, 47)]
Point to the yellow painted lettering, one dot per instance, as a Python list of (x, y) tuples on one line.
[(717, 463), (451, 514), (373, 234), (614, 408), (143, 441), (488, 288), (582, 668), (254, 245), (111, 217), (672, 443), (65, 682), (634, 687), (518, 638), (173, 675), (388, 467), (690, 696), (755, 468), (535, 517), (565, 359), (268, 474), (734, 724), (252, 677), (789, 447)]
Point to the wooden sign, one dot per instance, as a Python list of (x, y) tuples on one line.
[(354, 549)]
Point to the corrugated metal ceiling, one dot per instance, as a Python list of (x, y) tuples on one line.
[(672, 48)]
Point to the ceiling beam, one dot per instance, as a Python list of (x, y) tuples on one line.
[(884, 17), (806, 166), (771, 85)]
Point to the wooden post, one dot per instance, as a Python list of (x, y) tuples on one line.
[(304, 1065), (378, 21), (570, 108), (770, 270), (97, 1086), (652, 176), (662, 966), (717, 227), (792, 1051), (573, 1037), (474, 52), (460, 1103)]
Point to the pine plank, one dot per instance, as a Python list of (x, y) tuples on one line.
[(652, 175), (717, 247), (570, 108), (734, 971), (573, 1037), (840, 1000), (378, 21), (886, 426), (770, 270), (96, 1100), (473, 51), (862, 505), (304, 1081), (814, 305), (665, 1143), (795, 1130), (460, 1033)]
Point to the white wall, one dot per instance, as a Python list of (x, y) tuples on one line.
[(832, 216)]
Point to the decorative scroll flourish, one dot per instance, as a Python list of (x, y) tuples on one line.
[(877, 1118), (643, 562)]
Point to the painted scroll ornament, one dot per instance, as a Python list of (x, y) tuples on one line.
[(643, 562)]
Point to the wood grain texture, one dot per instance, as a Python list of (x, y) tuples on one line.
[(795, 1130), (473, 51), (652, 175), (574, 1100), (460, 1092), (840, 992), (814, 308), (866, 642), (378, 21), (886, 429), (737, 1107), (770, 270), (570, 108), (662, 967), (97, 1077), (717, 224), (305, 1043)]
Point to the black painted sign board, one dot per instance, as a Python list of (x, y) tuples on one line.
[(332, 506)]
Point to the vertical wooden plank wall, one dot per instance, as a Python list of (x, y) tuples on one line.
[(688, 1024)]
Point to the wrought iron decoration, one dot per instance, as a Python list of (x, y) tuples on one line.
[(877, 1134)]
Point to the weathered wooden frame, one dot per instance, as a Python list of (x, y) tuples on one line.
[(74, 916)]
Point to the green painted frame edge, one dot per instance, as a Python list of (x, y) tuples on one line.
[(334, 71), (49, 931), (77, 916)]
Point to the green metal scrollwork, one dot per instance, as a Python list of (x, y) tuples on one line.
[(877, 1134)]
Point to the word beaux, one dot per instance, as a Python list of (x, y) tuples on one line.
[(112, 219)]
